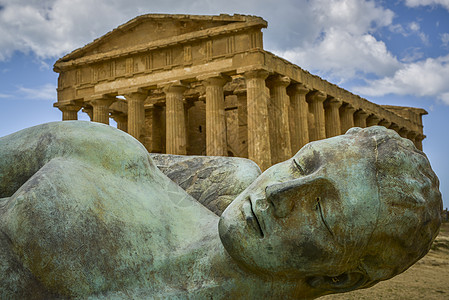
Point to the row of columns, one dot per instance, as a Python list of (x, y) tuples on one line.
[(175, 115), (340, 117), (275, 107)]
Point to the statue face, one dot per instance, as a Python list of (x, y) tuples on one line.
[(309, 214)]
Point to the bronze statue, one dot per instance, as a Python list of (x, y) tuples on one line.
[(84, 212)]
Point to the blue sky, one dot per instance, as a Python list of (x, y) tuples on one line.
[(390, 52)]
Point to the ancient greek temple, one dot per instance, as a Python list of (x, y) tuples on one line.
[(204, 85)]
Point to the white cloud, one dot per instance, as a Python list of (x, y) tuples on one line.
[(51, 28), (416, 29), (415, 3), (356, 17), (427, 78), (397, 28), (45, 92), (5, 96), (343, 44), (411, 28), (445, 39), (414, 26), (344, 55), (412, 54)]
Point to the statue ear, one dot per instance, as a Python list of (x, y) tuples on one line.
[(345, 282)]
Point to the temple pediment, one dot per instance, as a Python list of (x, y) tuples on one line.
[(157, 30)]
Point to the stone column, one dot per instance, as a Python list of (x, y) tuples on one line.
[(136, 113), (69, 112), (89, 111), (122, 121), (418, 141), (332, 117), (394, 127), (188, 104), (299, 127), (242, 122), (101, 109), (154, 129), (146, 134), (119, 112), (360, 118), (384, 123), (315, 100), (278, 112), (311, 124), (346, 117), (259, 149), (412, 135), (215, 116), (176, 142), (403, 132), (372, 120)]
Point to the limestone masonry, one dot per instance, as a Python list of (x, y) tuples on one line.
[(204, 85)]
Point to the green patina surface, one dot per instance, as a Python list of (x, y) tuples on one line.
[(86, 213)]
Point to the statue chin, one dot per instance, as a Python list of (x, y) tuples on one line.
[(232, 240)]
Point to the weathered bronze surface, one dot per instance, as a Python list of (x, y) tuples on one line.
[(86, 213)]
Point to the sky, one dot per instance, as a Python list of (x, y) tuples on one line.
[(388, 51)]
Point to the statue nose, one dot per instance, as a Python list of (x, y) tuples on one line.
[(259, 202), (279, 195), (283, 196)]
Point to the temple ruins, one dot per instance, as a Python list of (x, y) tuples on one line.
[(204, 85)]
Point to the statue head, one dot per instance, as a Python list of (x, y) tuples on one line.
[(343, 213)]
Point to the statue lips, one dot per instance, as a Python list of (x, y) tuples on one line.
[(251, 218)]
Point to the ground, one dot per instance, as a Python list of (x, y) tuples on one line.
[(427, 279)]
